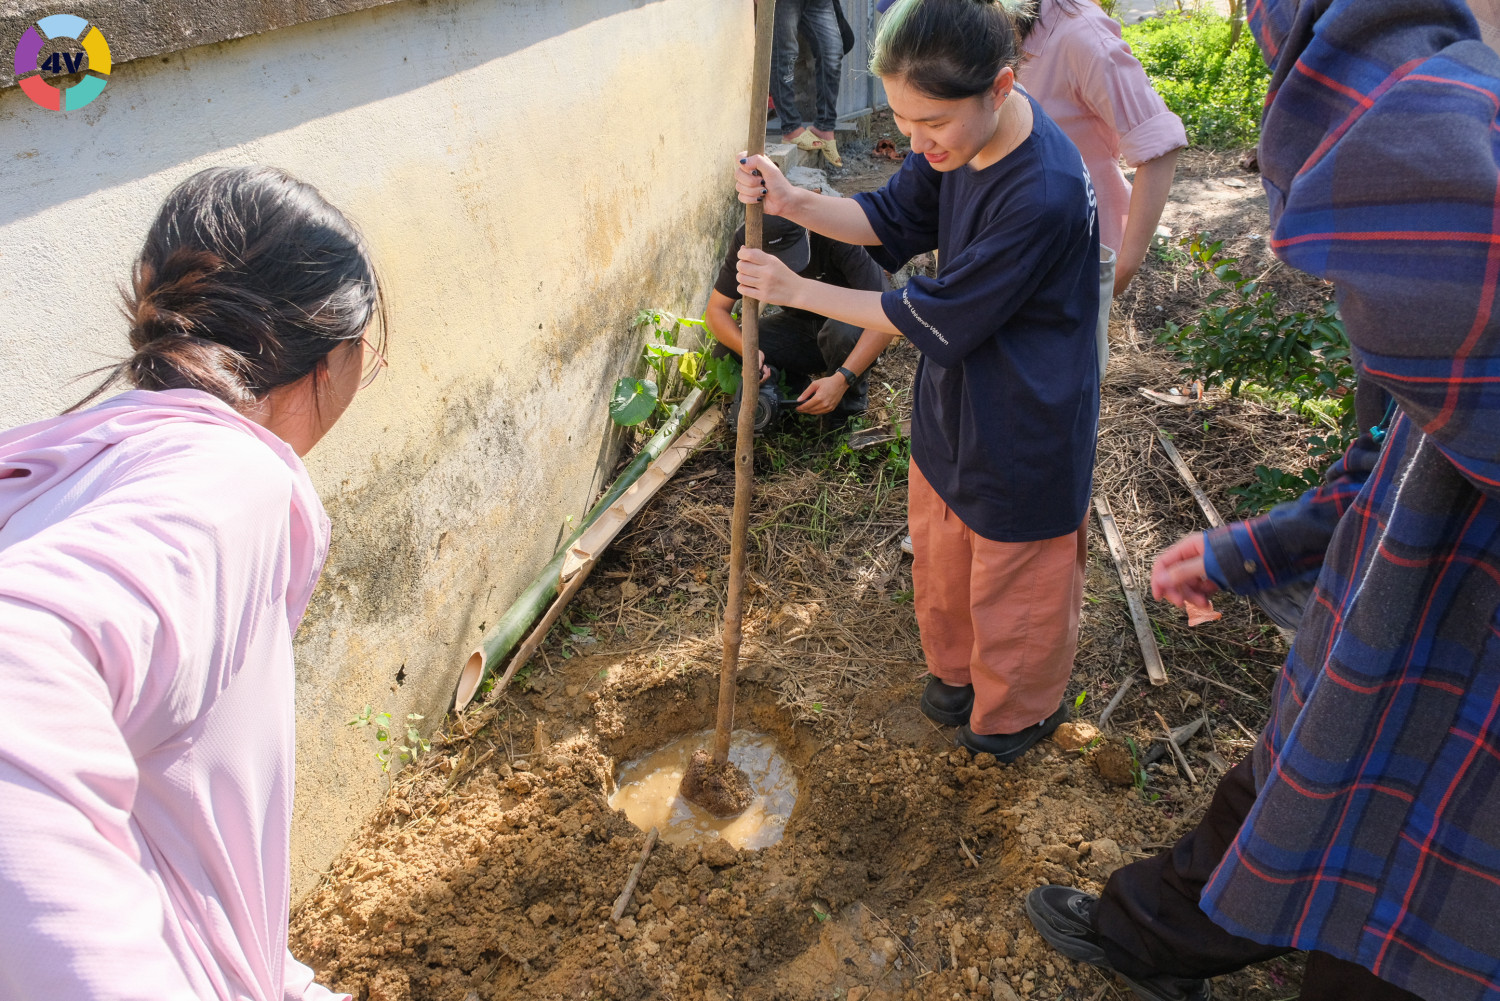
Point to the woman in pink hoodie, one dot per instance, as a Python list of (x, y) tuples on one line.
[(156, 554)]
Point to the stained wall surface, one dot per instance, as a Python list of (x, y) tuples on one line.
[(529, 173)]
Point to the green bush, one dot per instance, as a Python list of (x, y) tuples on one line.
[(1218, 93), (1246, 337)]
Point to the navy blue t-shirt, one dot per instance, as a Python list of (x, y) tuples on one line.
[(1007, 392)]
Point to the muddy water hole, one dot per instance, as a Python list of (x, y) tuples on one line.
[(492, 866)]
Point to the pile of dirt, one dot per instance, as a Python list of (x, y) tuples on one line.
[(900, 875)]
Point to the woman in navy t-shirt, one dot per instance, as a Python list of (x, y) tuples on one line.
[(1007, 392)]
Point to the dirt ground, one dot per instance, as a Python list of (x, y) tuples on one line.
[(491, 870)]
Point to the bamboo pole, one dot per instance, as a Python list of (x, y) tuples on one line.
[(505, 634), (744, 455), (539, 633), (583, 555)]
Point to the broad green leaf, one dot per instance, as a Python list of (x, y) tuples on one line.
[(633, 401)]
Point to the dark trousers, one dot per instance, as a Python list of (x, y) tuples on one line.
[(1149, 921), (815, 22), (801, 344)]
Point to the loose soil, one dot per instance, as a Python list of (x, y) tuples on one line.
[(492, 867)]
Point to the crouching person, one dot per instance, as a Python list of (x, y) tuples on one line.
[(826, 361)]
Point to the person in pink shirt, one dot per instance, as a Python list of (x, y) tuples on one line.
[(1083, 73), (157, 552)]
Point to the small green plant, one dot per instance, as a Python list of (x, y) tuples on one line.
[(1078, 702), (1209, 72), (1246, 340), (674, 365), (387, 744), (1137, 770), (574, 636)]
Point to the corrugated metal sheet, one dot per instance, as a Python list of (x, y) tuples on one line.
[(860, 92)]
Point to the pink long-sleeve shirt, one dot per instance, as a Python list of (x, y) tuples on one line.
[(156, 554), (1088, 81)]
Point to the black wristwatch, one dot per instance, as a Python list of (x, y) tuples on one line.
[(849, 377)]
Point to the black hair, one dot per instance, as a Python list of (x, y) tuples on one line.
[(947, 49), (1028, 18), (248, 280)]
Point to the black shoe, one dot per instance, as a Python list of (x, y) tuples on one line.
[(949, 705), (854, 403), (1009, 746), (1065, 918)]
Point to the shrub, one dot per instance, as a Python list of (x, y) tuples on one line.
[(1217, 91), (1245, 337)]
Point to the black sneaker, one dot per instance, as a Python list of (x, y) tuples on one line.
[(1065, 918), (1008, 747), (947, 704), (854, 403)]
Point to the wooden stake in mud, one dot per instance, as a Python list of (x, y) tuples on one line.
[(715, 784)]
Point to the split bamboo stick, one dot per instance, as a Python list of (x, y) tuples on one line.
[(1150, 653), (1186, 475), (505, 634)]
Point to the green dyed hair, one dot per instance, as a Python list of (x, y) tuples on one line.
[(949, 49)]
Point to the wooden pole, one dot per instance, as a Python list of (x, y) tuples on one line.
[(744, 455)]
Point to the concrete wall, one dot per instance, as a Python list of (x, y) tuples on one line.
[(529, 172)]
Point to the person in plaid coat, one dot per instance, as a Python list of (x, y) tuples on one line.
[(1365, 827)]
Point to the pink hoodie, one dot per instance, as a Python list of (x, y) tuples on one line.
[(156, 554)]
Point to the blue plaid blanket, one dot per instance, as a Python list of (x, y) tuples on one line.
[(1376, 835)]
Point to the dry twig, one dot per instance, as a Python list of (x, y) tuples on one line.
[(623, 900)]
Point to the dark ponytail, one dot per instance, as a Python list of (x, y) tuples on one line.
[(248, 279), (947, 49), (1029, 16)]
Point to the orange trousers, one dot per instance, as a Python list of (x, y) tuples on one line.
[(1002, 616)]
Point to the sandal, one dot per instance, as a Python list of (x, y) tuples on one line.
[(806, 141), (831, 152)]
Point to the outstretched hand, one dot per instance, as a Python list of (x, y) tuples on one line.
[(1178, 575), (764, 277), (757, 179)]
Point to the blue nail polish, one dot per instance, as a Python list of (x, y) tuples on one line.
[(742, 159)]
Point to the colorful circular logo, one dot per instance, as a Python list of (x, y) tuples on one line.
[(35, 85)]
